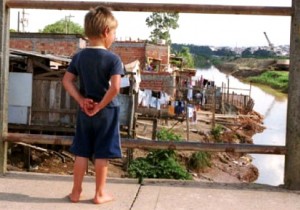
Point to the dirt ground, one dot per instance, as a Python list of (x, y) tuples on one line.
[(225, 167)]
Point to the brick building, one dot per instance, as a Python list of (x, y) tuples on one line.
[(129, 51), (56, 44), (68, 44)]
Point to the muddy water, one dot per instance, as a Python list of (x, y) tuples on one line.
[(273, 106)]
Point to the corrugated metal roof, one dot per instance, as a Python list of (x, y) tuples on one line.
[(51, 57)]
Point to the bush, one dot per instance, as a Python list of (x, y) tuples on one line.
[(199, 161), (159, 163), (166, 135), (216, 132)]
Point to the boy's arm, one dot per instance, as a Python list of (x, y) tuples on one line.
[(113, 91), (69, 84)]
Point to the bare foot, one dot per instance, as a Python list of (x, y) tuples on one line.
[(74, 197), (103, 199)]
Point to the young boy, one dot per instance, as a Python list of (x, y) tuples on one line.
[(97, 128)]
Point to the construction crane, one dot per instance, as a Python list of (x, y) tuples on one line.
[(269, 42)]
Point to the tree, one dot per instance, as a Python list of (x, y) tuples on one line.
[(63, 26), (187, 57), (188, 60), (261, 53), (162, 23), (202, 55), (225, 52), (247, 53)]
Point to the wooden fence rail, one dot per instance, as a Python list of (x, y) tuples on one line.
[(150, 7), (146, 144)]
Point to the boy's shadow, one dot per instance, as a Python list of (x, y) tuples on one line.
[(22, 198)]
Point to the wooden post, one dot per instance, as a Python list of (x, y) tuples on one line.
[(227, 76), (187, 121), (154, 129), (213, 121), (292, 158), (4, 65)]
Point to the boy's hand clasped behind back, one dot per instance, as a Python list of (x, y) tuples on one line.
[(88, 106)]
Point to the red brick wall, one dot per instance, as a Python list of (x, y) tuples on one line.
[(68, 44), (57, 44), (130, 51), (22, 44), (158, 81), (161, 52)]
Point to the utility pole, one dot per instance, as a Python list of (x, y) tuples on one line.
[(18, 30), (67, 23), (23, 21)]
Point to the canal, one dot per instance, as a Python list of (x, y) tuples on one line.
[(273, 106)]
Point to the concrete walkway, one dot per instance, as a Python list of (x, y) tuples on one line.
[(32, 191)]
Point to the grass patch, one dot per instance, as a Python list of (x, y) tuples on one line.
[(275, 79), (199, 160), (216, 132)]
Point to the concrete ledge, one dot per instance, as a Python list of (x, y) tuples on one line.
[(34, 191)]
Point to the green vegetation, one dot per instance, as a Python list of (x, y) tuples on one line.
[(188, 59), (260, 53), (199, 161), (162, 23), (216, 132), (166, 135), (63, 26), (275, 79), (159, 163), (203, 56)]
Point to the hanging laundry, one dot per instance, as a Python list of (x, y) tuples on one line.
[(147, 98)]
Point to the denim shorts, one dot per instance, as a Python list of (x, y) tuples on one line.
[(98, 136)]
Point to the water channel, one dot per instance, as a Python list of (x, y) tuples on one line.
[(273, 106)]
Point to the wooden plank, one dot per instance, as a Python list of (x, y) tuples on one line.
[(40, 100), (41, 65), (54, 110), (54, 101), (54, 74), (151, 7), (47, 128), (65, 104), (4, 68), (292, 158), (146, 144)]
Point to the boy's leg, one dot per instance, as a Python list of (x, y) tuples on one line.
[(79, 170), (101, 168)]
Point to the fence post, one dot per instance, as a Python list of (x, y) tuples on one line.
[(4, 65), (292, 158), (213, 122)]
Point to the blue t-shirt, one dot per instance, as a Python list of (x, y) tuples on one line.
[(94, 67)]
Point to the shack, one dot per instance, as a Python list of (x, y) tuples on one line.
[(38, 102)]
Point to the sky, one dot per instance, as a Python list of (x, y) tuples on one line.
[(197, 29)]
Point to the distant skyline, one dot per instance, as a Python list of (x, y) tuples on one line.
[(198, 29)]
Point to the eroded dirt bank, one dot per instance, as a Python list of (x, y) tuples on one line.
[(247, 67)]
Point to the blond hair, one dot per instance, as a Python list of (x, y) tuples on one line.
[(97, 20)]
